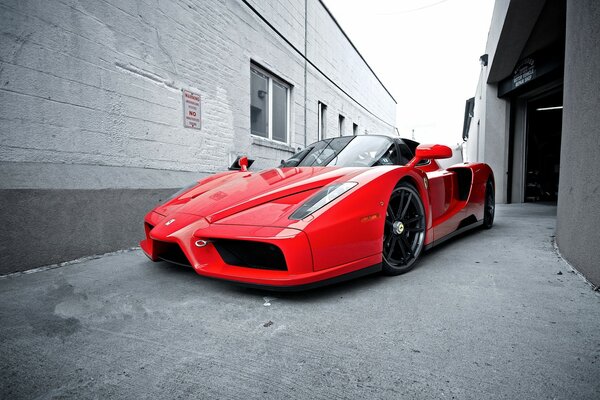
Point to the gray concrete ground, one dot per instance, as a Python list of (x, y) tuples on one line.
[(491, 315)]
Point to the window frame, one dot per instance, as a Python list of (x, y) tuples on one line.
[(271, 77), (321, 120), (341, 124)]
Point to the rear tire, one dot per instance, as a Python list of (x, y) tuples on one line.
[(489, 209), (404, 230)]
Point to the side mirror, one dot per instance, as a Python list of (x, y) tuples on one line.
[(430, 151), (435, 151), (241, 163)]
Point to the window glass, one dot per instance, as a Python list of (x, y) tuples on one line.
[(259, 104), (469, 108), (405, 153), (324, 152), (296, 158), (269, 105), (390, 157), (280, 112), (362, 151), (353, 151)]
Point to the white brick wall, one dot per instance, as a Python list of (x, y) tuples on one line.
[(99, 82)]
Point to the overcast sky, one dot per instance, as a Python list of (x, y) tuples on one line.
[(426, 52)]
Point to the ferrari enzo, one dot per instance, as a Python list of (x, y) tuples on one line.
[(341, 208)]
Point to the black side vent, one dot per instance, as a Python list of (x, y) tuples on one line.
[(171, 252), (251, 254), (464, 178), (470, 220)]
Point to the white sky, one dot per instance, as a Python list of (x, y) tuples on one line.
[(426, 53)]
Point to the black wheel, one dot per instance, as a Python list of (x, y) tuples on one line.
[(404, 231), (490, 205)]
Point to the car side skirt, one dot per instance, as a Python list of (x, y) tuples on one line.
[(453, 234)]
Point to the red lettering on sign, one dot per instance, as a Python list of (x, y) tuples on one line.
[(191, 96)]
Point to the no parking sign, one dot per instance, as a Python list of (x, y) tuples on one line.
[(191, 110)]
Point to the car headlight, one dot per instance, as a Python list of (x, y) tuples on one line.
[(322, 198)]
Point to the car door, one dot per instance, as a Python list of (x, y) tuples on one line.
[(446, 211)]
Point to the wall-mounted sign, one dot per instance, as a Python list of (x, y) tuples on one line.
[(524, 72), (536, 69), (191, 110)]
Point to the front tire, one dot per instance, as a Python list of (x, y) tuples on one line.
[(404, 230)]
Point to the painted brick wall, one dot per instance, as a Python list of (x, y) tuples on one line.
[(88, 82)]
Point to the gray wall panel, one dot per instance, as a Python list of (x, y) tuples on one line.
[(578, 219), (44, 227)]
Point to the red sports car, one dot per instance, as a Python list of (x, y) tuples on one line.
[(341, 208)]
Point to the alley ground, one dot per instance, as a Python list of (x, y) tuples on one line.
[(490, 315)]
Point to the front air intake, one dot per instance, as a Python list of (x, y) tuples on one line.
[(171, 252), (248, 254), (148, 228)]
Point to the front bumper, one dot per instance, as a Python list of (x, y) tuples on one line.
[(299, 271)]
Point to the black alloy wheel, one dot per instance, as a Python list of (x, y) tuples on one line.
[(404, 231), (489, 209)]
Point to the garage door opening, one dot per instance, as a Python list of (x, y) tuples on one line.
[(544, 128)]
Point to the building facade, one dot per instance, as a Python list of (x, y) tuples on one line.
[(107, 107), (535, 116)]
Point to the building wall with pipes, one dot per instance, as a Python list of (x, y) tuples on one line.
[(93, 129)]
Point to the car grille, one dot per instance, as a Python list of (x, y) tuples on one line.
[(251, 254)]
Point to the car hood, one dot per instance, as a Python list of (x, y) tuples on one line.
[(224, 195)]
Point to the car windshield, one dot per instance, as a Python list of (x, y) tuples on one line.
[(346, 151)]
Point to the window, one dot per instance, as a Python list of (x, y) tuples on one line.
[(269, 105), (322, 111), (341, 124), (469, 107), (354, 129)]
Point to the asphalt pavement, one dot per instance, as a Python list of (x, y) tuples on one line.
[(493, 314)]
